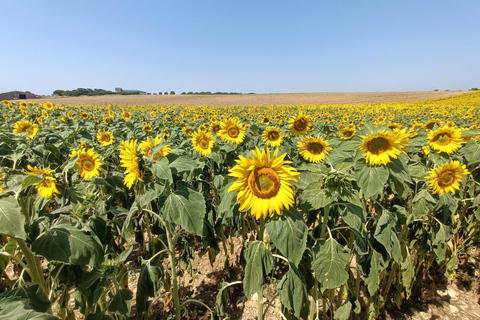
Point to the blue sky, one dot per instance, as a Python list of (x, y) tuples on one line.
[(241, 46)]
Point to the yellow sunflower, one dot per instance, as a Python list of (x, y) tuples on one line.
[(300, 124), (147, 127), (146, 147), (105, 138), (165, 132), (264, 183), (272, 136), (445, 139), (2, 180), (447, 177), (380, 147), (46, 188), (89, 165), (215, 127), (188, 131), (203, 142), (130, 161), (232, 130), (313, 149), (126, 115), (25, 126), (347, 133)]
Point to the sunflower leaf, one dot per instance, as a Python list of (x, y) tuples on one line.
[(330, 262), (259, 264), (472, 152), (371, 179), (12, 220)]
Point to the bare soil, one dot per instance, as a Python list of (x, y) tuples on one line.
[(253, 99)]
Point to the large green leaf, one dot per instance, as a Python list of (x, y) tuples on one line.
[(12, 220), (148, 283), (371, 179), (472, 152), (293, 291), (185, 207), (331, 260), (65, 242), (422, 204), (289, 234), (259, 264), (386, 235), (121, 303), (162, 170), (25, 303), (317, 196), (371, 268), (408, 274)]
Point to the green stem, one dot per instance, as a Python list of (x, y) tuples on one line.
[(261, 230), (172, 241), (324, 221), (34, 267)]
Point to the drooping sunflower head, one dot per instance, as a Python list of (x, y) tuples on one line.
[(232, 131), (272, 137), (300, 124), (89, 164), (130, 161), (445, 139), (146, 147), (45, 114), (430, 124), (264, 183), (447, 177), (188, 131), (313, 149), (105, 138), (47, 187), (25, 126), (203, 142), (147, 127), (378, 148), (347, 133)]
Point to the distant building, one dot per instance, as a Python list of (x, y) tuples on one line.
[(120, 90), (17, 95)]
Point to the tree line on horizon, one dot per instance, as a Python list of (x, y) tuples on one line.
[(101, 92)]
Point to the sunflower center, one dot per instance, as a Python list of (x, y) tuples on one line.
[(315, 147), (264, 182), (106, 138), (273, 136), (87, 164), (347, 133), (446, 178), (204, 144), (442, 139), (233, 131), (300, 124), (378, 145)]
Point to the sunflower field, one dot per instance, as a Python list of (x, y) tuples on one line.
[(342, 209)]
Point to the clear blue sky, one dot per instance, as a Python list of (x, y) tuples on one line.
[(242, 46)]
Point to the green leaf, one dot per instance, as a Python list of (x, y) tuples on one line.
[(452, 266), (8, 248), (65, 242), (162, 170), (408, 274), (182, 164), (371, 269), (386, 235), (289, 234), (330, 262), (152, 191), (293, 291), (439, 243), (344, 312), (98, 316), (30, 180), (12, 220), (471, 151), (259, 263), (25, 303), (317, 196), (185, 207), (121, 303), (123, 256), (149, 283), (423, 202), (370, 179)]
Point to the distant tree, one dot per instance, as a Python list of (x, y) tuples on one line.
[(172, 93), (58, 92), (189, 92), (160, 93), (435, 90), (166, 93), (474, 89), (148, 93), (154, 93), (183, 92)]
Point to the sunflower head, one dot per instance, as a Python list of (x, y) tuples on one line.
[(126, 115), (105, 138), (264, 183), (203, 142), (313, 149), (25, 126), (46, 187), (188, 131), (130, 161), (380, 147), (300, 124), (147, 127), (445, 139), (146, 147), (2, 180), (232, 131), (272, 137), (89, 164), (447, 177), (347, 133)]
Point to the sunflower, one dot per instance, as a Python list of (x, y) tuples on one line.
[(165, 132), (130, 161), (105, 138), (380, 147), (264, 183), (25, 126), (89, 165), (402, 137), (188, 131), (2, 180), (215, 127), (272, 136), (203, 142), (445, 139), (146, 147), (147, 127), (430, 124), (47, 187), (300, 124), (447, 177), (126, 115), (232, 130), (313, 149), (347, 133)]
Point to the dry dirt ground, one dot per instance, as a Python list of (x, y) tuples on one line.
[(253, 99)]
